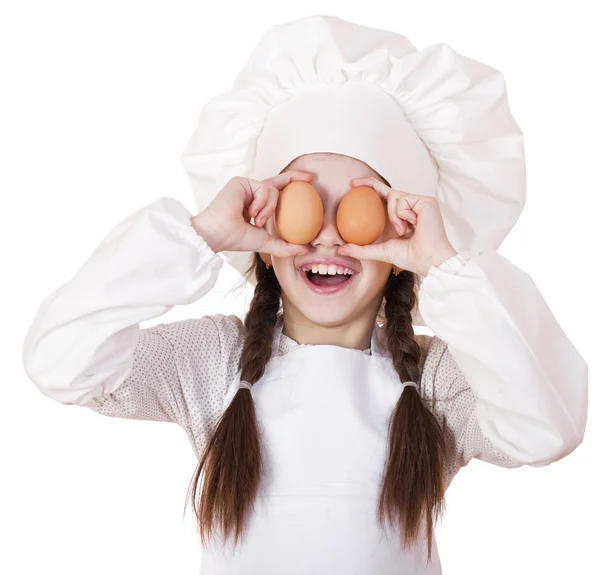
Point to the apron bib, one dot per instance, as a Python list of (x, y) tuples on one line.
[(323, 413)]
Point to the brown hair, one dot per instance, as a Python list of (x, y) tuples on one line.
[(412, 489)]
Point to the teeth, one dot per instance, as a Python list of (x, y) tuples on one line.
[(331, 270)]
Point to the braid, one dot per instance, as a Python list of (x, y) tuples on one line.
[(232, 461), (260, 324), (413, 480)]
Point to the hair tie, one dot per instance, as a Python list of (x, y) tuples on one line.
[(410, 383), (245, 384)]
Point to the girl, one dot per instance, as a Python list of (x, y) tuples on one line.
[(326, 431)]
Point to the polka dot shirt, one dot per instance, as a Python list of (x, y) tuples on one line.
[(182, 370)]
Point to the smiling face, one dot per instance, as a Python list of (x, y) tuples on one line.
[(324, 300)]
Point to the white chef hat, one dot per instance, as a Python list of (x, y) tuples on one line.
[(431, 122)]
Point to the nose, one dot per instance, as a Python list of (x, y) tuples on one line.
[(328, 235)]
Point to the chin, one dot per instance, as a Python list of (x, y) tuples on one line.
[(326, 316)]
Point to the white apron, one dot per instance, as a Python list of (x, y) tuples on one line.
[(324, 412)]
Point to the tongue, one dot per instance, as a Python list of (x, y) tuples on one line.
[(327, 280)]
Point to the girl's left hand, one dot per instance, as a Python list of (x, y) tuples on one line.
[(418, 220)]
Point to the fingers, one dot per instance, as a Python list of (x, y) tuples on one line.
[(266, 202), (380, 252), (267, 211), (381, 188), (406, 202), (265, 192), (260, 196), (404, 209), (398, 205), (259, 240), (403, 218), (245, 214), (280, 181), (280, 248), (392, 205)]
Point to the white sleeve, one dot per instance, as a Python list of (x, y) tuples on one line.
[(85, 346), (511, 387)]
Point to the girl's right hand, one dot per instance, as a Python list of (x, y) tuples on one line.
[(225, 223)]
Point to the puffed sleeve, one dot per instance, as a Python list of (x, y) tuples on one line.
[(500, 373), (85, 346)]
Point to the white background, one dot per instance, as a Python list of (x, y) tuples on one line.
[(98, 102)]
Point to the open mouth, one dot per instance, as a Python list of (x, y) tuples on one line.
[(327, 280)]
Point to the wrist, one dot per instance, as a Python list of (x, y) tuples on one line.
[(440, 256), (201, 224)]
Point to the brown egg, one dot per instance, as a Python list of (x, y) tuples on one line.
[(361, 216), (299, 213)]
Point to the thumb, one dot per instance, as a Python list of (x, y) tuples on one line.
[(384, 252), (282, 249), (262, 241)]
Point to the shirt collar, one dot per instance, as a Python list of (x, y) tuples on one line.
[(282, 343)]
